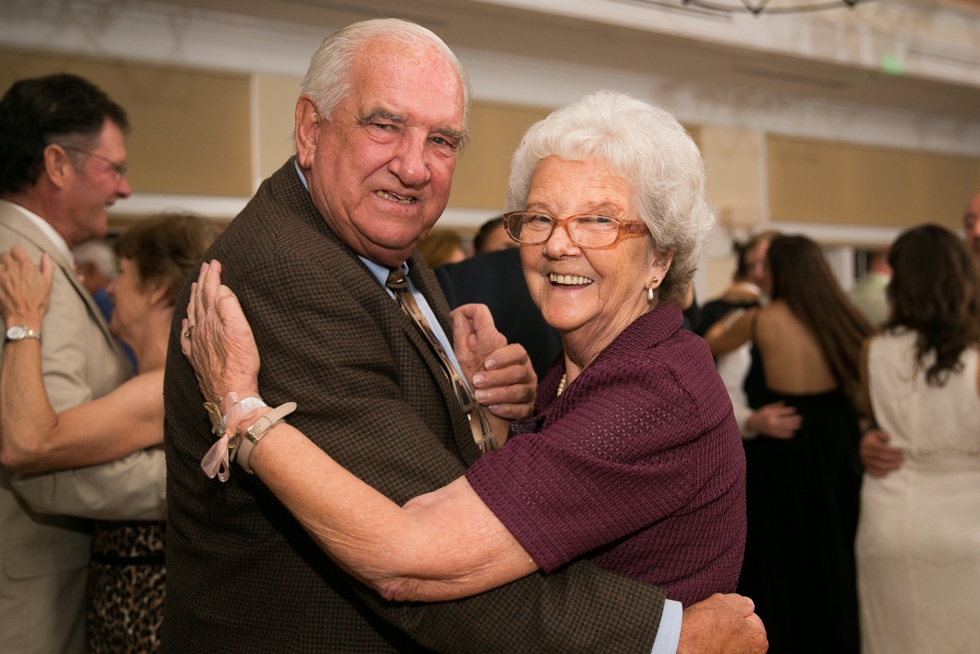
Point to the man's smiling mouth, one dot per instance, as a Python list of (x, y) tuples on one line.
[(394, 197)]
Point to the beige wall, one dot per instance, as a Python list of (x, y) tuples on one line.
[(732, 162), (841, 183), (190, 129), (199, 132), (275, 102), (480, 181)]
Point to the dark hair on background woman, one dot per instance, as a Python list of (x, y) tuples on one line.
[(935, 290), (802, 279), (166, 248)]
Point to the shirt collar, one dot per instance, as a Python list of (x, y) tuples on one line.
[(382, 272), (52, 235), (302, 177)]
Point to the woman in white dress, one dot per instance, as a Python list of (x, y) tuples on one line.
[(918, 541)]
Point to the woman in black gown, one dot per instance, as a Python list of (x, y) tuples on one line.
[(802, 492)]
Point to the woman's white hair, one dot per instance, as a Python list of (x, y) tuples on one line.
[(649, 149), (327, 80)]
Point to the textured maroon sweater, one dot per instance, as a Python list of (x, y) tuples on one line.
[(638, 466)]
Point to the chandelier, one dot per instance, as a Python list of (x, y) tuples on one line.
[(754, 7)]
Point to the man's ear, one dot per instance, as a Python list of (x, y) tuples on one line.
[(87, 269), (307, 131), (58, 166)]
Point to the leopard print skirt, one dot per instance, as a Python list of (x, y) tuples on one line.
[(125, 587)]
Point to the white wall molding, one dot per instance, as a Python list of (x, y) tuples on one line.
[(208, 206), (162, 34), (833, 234), (468, 219)]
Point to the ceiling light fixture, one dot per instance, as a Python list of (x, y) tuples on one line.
[(757, 7)]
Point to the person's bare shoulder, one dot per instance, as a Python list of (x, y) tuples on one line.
[(776, 321)]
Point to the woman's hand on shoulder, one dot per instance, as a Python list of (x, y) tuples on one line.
[(217, 339), (25, 290)]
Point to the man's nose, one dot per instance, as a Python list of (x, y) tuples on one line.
[(124, 190), (409, 164)]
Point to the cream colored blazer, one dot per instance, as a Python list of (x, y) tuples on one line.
[(44, 553)]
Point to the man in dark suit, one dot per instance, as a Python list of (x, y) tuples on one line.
[(378, 126)]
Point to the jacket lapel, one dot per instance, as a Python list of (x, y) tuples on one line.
[(19, 223)]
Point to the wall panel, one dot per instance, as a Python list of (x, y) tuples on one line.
[(480, 181), (276, 105), (814, 181)]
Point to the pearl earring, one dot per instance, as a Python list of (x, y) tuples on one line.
[(650, 296)]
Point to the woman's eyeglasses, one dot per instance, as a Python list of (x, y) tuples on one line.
[(592, 232)]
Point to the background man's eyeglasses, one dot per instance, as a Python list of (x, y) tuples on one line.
[(119, 169)]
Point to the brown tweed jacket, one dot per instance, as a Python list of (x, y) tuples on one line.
[(242, 575)]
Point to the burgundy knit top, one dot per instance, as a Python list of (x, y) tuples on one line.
[(638, 465)]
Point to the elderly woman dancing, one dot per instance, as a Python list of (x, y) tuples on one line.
[(632, 459)]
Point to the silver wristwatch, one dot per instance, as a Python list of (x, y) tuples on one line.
[(20, 332)]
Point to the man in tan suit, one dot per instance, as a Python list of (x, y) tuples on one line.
[(62, 162)]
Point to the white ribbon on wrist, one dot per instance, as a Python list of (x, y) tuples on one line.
[(217, 461)]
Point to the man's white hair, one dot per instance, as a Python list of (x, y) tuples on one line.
[(100, 254), (646, 147), (328, 79)]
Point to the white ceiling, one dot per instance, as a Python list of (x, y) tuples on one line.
[(835, 55)]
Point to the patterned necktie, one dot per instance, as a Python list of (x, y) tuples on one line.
[(475, 414)]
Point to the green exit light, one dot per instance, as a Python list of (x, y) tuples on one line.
[(892, 64)]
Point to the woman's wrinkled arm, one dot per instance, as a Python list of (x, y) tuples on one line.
[(440, 546), (33, 438)]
